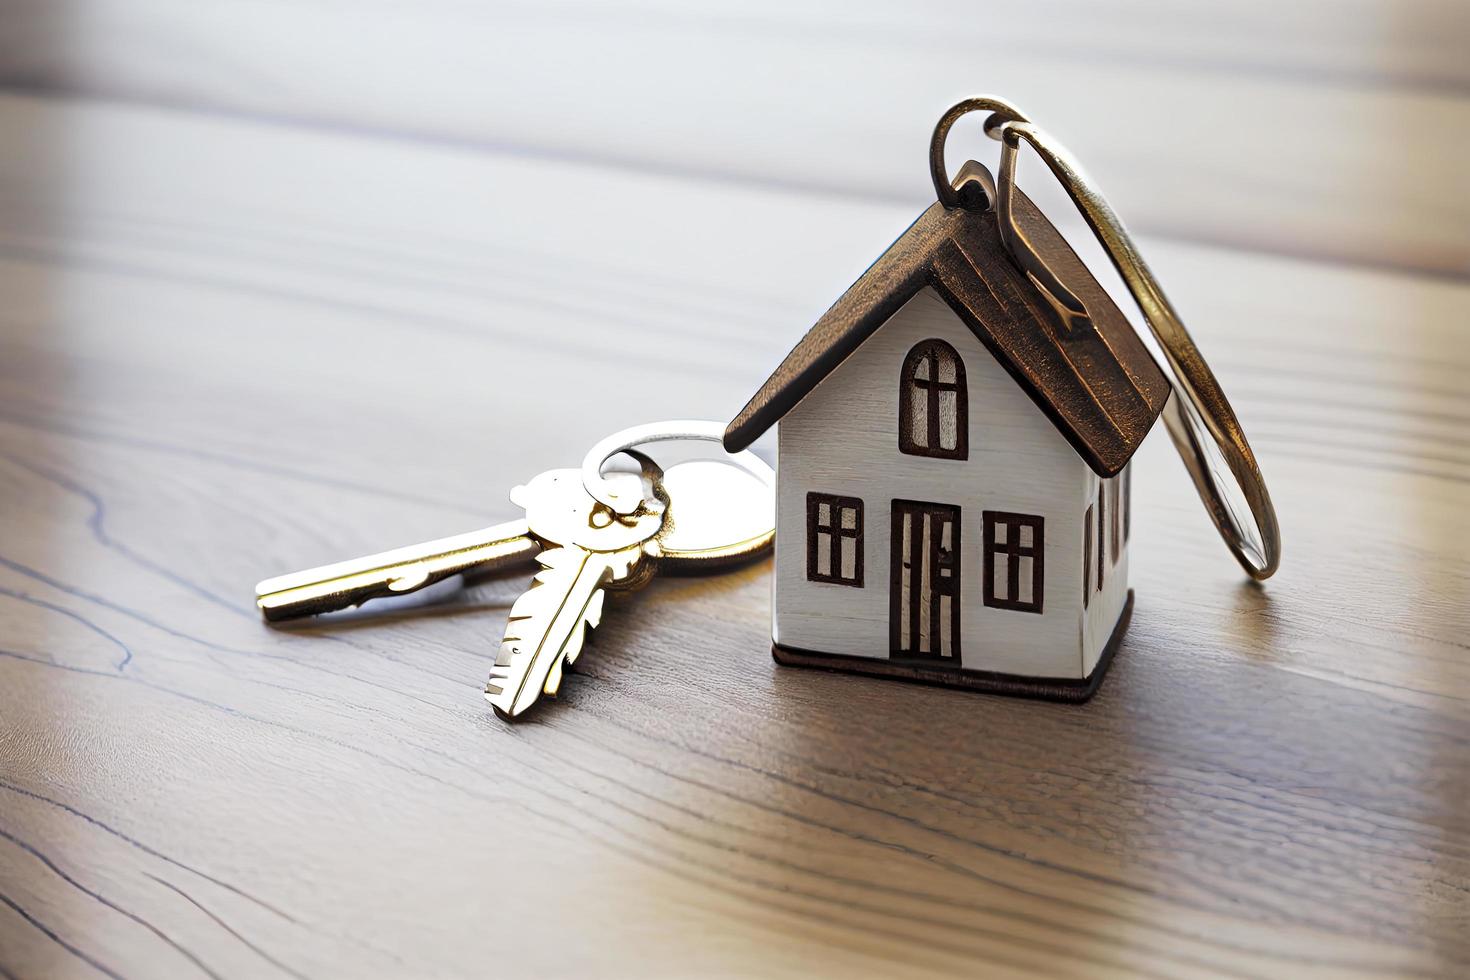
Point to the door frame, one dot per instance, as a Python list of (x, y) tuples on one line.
[(925, 510)]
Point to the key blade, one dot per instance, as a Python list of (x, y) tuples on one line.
[(344, 584), (589, 549), (542, 623), (593, 618), (548, 624)]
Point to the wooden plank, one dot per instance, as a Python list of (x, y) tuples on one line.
[(229, 349), (1320, 129)]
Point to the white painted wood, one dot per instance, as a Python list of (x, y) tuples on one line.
[(843, 439), (1105, 604)]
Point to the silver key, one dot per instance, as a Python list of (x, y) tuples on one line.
[(589, 549)]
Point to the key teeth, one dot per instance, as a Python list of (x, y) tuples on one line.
[(574, 649), (512, 688), (593, 617), (494, 695), (553, 558), (504, 715), (553, 678)]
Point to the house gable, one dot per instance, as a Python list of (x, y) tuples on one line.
[(1098, 385)]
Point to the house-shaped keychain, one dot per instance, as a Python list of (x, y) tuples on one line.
[(953, 499)]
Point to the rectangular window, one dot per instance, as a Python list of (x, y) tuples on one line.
[(1087, 557), (1127, 503), (1115, 487), (834, 539), (1013, 561)]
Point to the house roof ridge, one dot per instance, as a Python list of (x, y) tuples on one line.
[(1102, 390)]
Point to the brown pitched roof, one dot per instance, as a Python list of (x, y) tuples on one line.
[(1099, 386)]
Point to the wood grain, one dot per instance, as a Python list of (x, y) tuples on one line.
[(230, 348), (1315, 128)]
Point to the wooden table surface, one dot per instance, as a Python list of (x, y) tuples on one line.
[(269, 300)]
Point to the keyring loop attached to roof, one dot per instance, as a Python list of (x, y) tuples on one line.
[(1203, 426), (1000, 111)]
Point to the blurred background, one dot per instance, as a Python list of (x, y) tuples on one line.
[(1325, 128), (337, 213), (705, 177), (652, 199)]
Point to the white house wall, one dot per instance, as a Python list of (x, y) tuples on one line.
[(1105, 606), (843, 439)]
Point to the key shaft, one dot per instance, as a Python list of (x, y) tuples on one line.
[(344, 584)]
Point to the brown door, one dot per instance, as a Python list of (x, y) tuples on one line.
[(924, 608)]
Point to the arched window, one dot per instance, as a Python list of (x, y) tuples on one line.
[(933, 410)]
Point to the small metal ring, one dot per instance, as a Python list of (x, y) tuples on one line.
[(1001, 112), (677, 430)]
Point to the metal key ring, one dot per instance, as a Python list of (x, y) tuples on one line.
[(675, 430), (1199, 417), (1001, 112)]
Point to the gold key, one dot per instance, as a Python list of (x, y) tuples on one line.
[(343, 584), (590, 532), (719, 514), (351, 583), (589, 549)]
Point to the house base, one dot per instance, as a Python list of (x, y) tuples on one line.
[(1012, 685)]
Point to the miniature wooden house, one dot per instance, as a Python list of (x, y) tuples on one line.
[(953, 487)]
